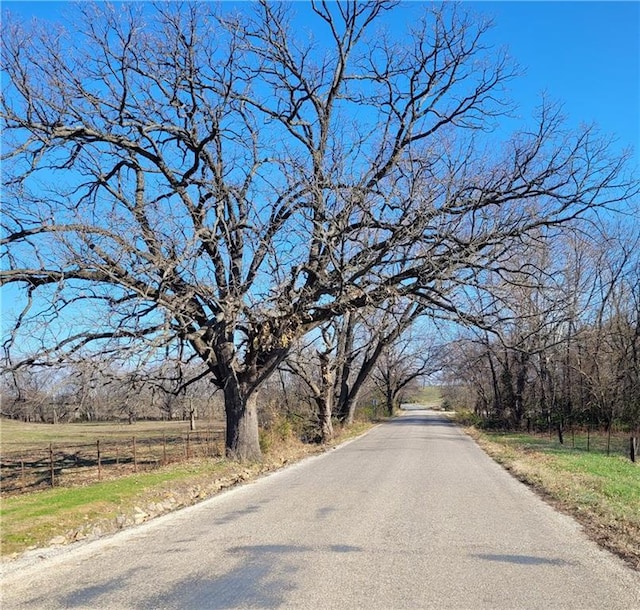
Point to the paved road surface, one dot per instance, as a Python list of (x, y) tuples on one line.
[(412, 515)]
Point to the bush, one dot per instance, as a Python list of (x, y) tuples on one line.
[(279, 430), (466, 417), (494, 422)]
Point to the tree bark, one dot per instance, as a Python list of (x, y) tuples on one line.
[(242, 440), (327, 372), (326, 426)]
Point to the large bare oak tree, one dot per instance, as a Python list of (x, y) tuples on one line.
[(228, 181)]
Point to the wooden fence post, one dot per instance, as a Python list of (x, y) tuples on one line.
[(99, 461), (52, 465), (633, 448), (135, 457), (164, 449)]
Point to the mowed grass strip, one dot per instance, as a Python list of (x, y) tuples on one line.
[(428, 395), (33, 520), (602, 492)]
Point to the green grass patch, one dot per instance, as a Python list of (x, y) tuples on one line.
[(32, 520), (429, 395), (602, 492)]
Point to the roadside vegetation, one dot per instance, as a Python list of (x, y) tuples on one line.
[(601, 491)]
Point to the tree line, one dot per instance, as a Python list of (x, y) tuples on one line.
[(355, 362), (566, 350)]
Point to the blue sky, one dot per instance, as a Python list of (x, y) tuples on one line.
[(583, 54)]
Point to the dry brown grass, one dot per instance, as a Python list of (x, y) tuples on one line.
[(601, 492)]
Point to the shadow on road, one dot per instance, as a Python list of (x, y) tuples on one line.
[(527, 560), (423, 419), (262, 578)]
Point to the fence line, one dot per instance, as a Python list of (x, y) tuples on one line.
[(68, 463)]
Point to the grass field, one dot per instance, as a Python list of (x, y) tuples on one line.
[(36, 456), (600, 491), (16, 435), (429, 396)]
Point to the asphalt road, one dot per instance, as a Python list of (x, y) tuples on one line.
[(412, 515)]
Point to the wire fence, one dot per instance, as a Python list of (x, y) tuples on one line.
[(610, 443), (68, 464)]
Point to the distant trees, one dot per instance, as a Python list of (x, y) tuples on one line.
[(567, 349), (336, 363), (187, 177), (26, 395), (98, 391), (403, 365)]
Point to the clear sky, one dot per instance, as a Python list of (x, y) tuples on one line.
[(583, 54)]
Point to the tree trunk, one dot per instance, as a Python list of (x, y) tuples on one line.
[(324, 416), (192, 415), (634, 446), (346, 409), (325, 404), (342, 411), (242, 441), (344, 360), (390, 402)]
